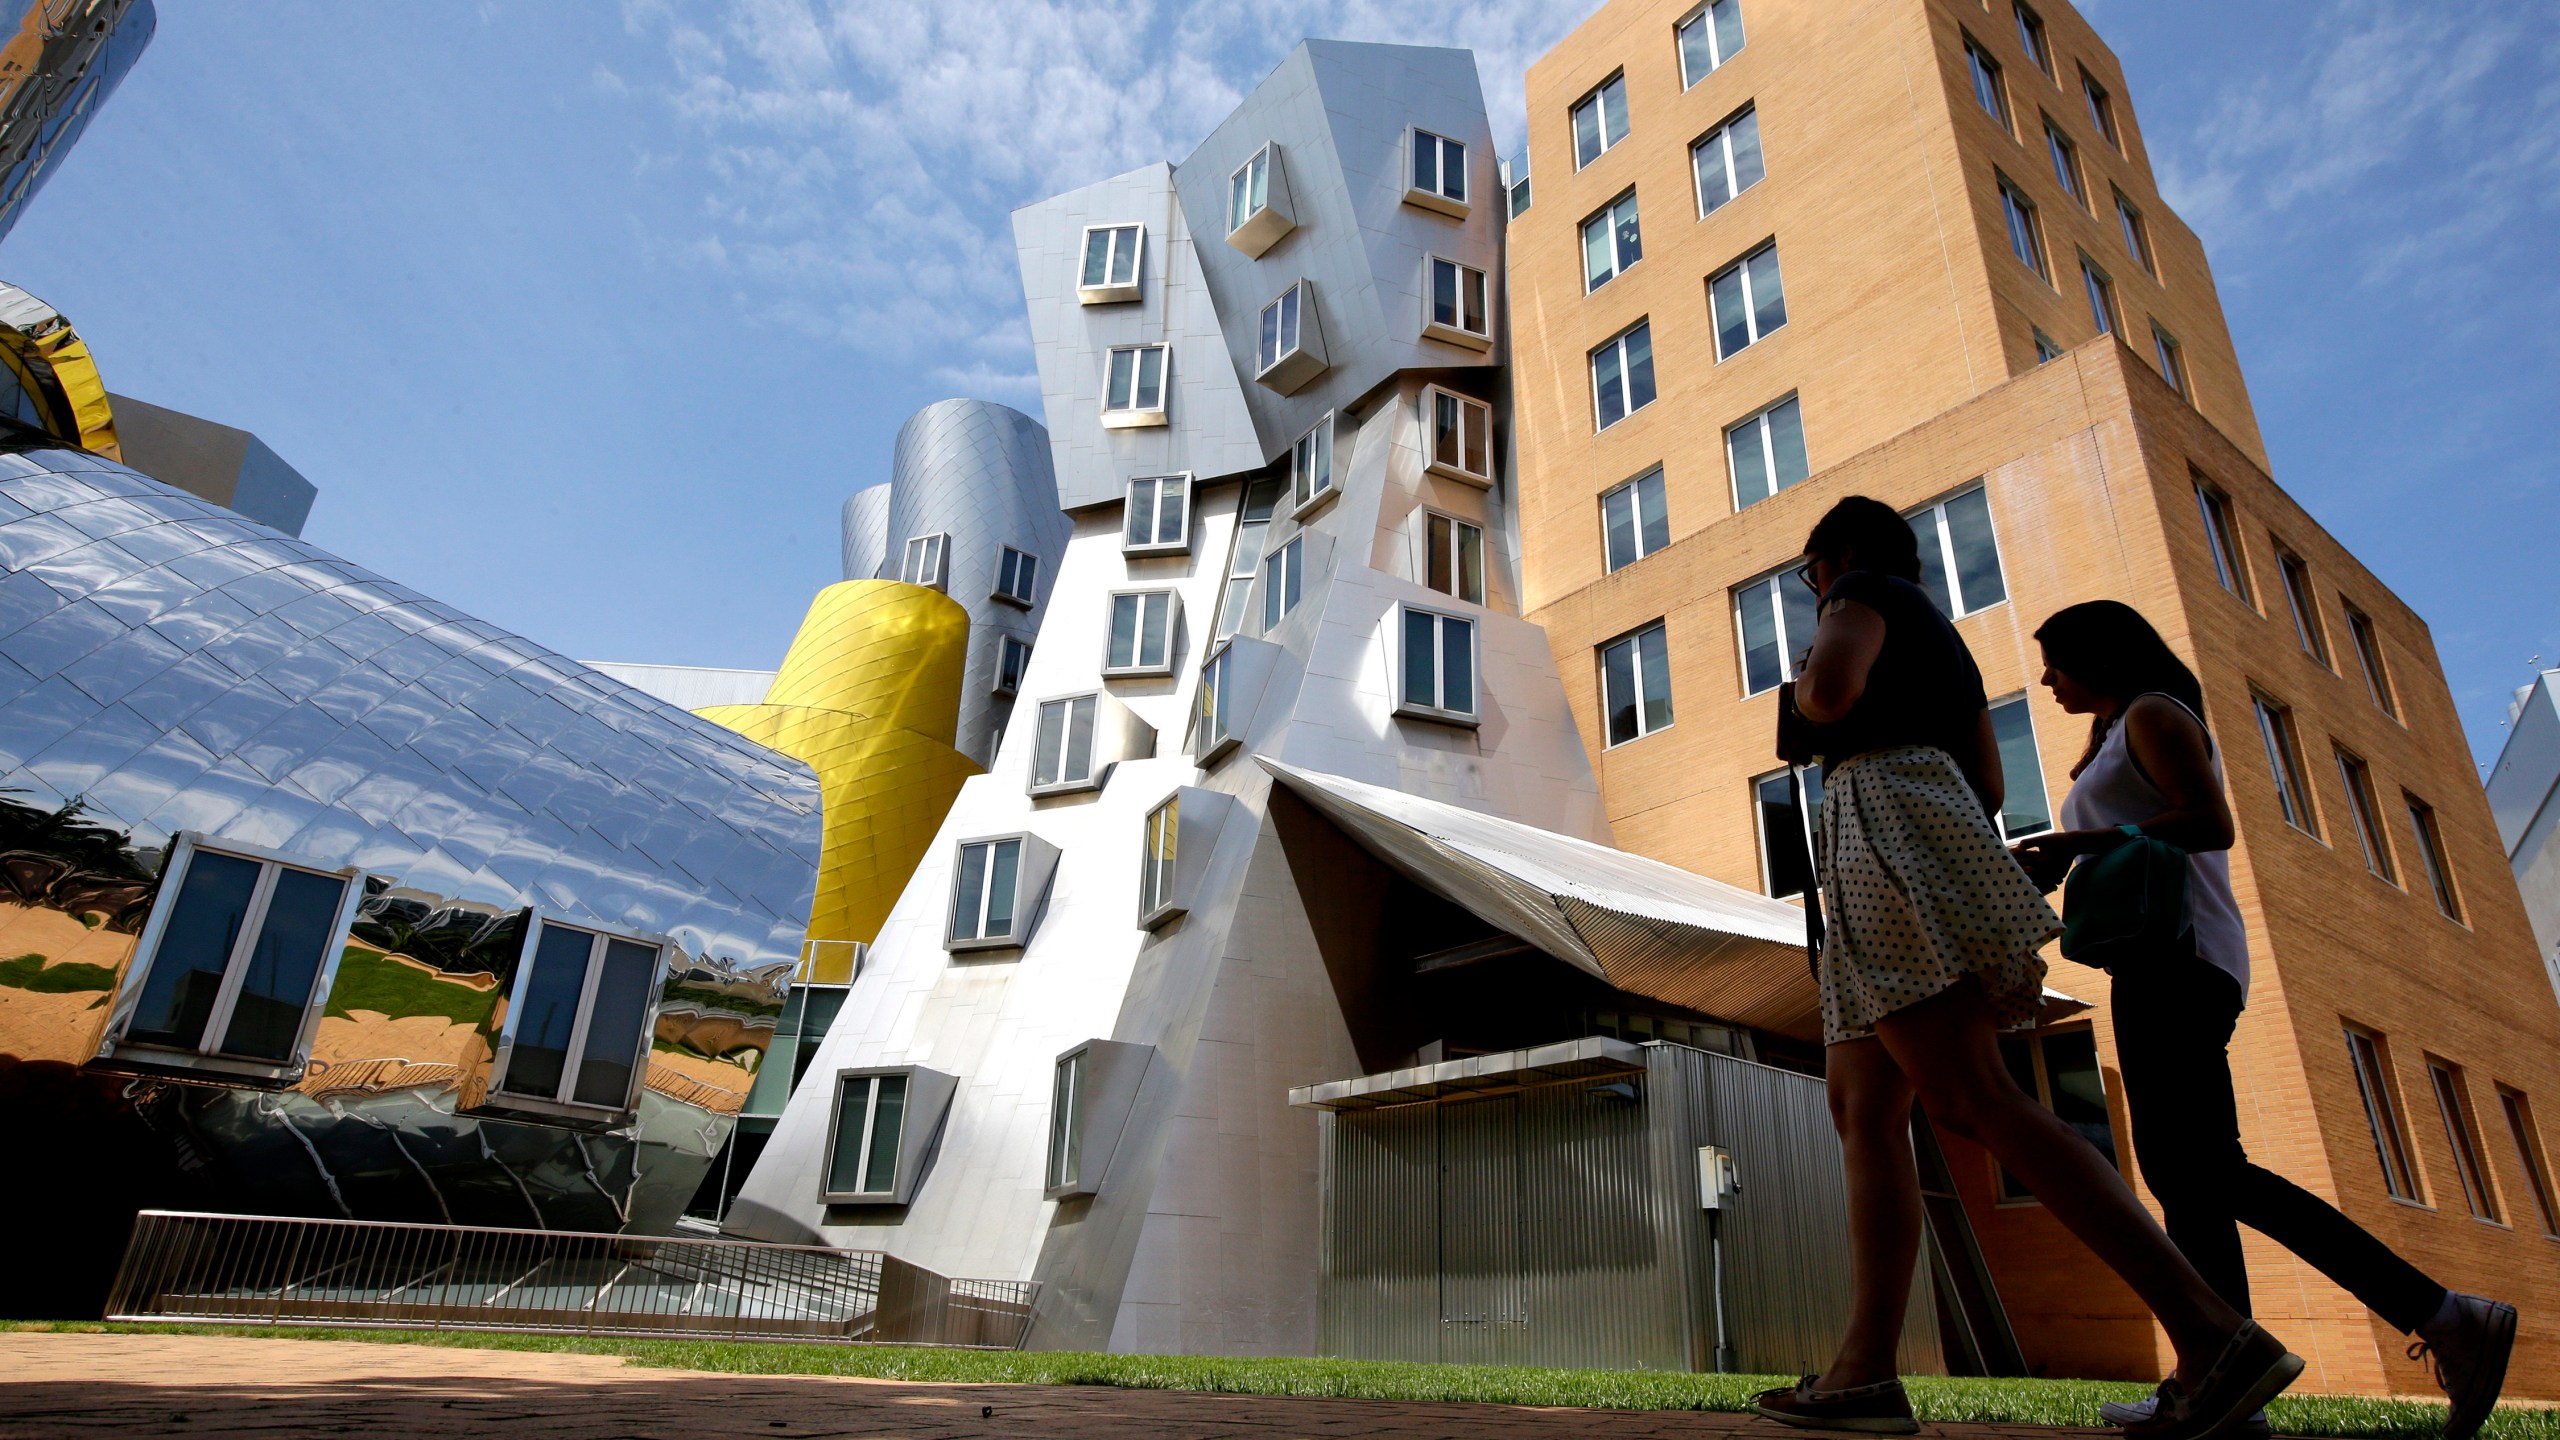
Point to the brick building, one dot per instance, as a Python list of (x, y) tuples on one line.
[(1781, 252)]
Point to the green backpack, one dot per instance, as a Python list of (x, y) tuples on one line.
[(2125, 904)]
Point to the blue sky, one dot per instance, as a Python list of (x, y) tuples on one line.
[(587, 317)]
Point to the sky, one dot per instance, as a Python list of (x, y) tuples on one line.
[(587, 317)]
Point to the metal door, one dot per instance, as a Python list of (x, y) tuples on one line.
[(1483, 1302)]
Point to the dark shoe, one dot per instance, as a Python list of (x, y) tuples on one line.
[(1872, 1409), (2135, 1412), (2253, 1369), (2471, 1360)]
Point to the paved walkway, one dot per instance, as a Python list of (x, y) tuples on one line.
[(55, 1386)]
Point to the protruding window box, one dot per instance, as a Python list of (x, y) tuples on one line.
[(1456, 305), (1134, 385), (1145, 633), (1158, 520), (997, 884), (575, 1046), (1289, 350), (1180, 835), (1259, 210), (1311, 484), (1112, 255), (1091, 1092), (880, 1128), (1436, 666), (1078, 738), (1231, 685), (1458, 437), (1436, 173), (233, 965)]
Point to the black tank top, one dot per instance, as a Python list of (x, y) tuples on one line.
[(1924, 688)]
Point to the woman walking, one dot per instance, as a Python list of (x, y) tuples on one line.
[(2152, 765), (1932, 950)]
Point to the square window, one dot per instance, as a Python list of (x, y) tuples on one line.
[(2222, 539), (1635, 684), (2137, 238), (1599, 120), (2304, 603), (1258, 210), (2172, 358), (1013, 658), (1110, 273), (1988, 91), (1159, 516), (2382, 1112), (1610, 242), (1453, 557), (1436, 665), (1458, 309), (1959, 556), (1461, 436), (578, 1021), (1281, 328), (1727, 161), (1289, 348), (1283, 575), (2377, 679), (1156, 859), (2367, 813), (2026, 234), (926, 561), (1311, 468), (1774, 615), (2102, 296), (1062, 750), (1749, 301), (1633, 522), (1143, 624), (2422, 821), (1622, 375), (1017, 576), (1786, 831), (1438, 174), (2284, 761), (984, 890), (2024, 809), (1766, 453), (1249, 189), (1134, 387), (1709, 36), (2066, 162), (2031, 37), (2102, 111)]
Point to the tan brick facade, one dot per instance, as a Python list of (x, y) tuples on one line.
[(1909, 345)]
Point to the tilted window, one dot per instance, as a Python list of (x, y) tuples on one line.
[(2060, 1068), (1767, 452), (1311, 467), (2046, 350), (1142, 633), (2529, 1154), (1283, 575), (1622, 375), (1244, 558), (2422, 821), (1453, 557), (1062, 752), (1611, 241), (2366, 811), (2026, 233), (1633, 521), (1599, 120), (2462, 1136), (1133, 386), (2066, 162), (1066, 1122), (1750, 301), (927, 561), (2284, 760), (1259, 212), (2382, 1112), (1159, 516), (2102, 110), (2137, 236), (1959, 555), (1110, 272), (1213, 724), (1459, 311), (2222, 539), (578, 1022), (1249, 189), (2031, 37), (1289, 350), (870, 1115), (1775, 616), (2024, 809), (1156, 857), (1461, 436), (1436, 665), (2102, 296), (1727, 161), (2172, 358), (1709, 36), (1988, 91), (1013, 658), (1635, 684), (1438, 174), (2304, 602), (1786, 831), (985, 890), (1017, 576), (2377, 678)]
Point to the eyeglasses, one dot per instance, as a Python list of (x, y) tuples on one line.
[(1804, 572)]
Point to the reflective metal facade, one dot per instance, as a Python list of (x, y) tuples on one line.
[(65, 59), (53, 382), (167, 666)]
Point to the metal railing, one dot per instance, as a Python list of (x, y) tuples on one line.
[(255, 1269)]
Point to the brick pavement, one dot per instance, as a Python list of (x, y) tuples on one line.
[(61, 1386)]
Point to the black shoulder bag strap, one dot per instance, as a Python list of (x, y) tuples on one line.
[(1813, 929)]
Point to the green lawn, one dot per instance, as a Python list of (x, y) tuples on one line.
[(2035, 1402)]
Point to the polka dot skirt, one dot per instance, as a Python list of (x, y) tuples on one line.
[(1919, 892)]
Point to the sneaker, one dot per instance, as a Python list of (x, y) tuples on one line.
[(2135, 1412), (1880, 1409), (2254, 1368), (2470, 1358)]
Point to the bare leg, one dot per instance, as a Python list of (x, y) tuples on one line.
[(1871, 1108), (1947, 1046)]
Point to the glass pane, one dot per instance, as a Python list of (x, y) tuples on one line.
[(1453, 169), (1260, 173), (1613, 109), (1274, 604), (1435, 553), (1653, 648), (1064, 1160), (293, 941), (1238, 187), (1977, 555), (1796, 610), (2024, 810), (1079, 761), (1154, 612), (186, 971), (1444, 293), (1697, 54), (2079, 1094), (1656, 528), (2101, 314), (550, 1013), (1170, 519), (1786, 444), (1421, 669), (616, 1024), (1782, 836), (1323, 449), (1768, 293), (1715, 186), (888, 1117), (1457, 664), (1607, 387), (1618, 525), (1142, 512), (1294, 563), (1748, 449), (1478, 423), (1744, 135), (1618, 690), (1471, 564), (1933, 560), (1097, 256), (1048, 747), (1474, 320), (1289, 301), (1444, 428), (1234, 606), (1124, 256), (1151, 378), (1116, 395), (1426, 163), (853, 1106), (1733, 319), (1262, 499), (1004, 858), (1597, 263), (1728, 17), (968, 893), (1639, 367), (1124, 631), (1630, 239), (1762, 663)]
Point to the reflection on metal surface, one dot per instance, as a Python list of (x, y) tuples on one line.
[(167, 667), (868, 696), (65, 58), (55, 386)]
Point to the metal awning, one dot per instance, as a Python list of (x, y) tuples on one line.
[(1476, 1074)]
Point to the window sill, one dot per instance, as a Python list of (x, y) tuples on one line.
[(1007, 597), (1453, 718), (972, 947), (1632, 739), (1260, 231), (857, 1197), (1162, 915), (1314, 503), (1145, 552), (1292, 372), (1137, 672), (1630, 415), (555, 1112), (1064, 787), (1217, 751), (1437, 203), (1452, 472), (127, 1057), (1452, 335), (1132, 419), (1106, 294)]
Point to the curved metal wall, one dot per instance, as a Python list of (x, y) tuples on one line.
[(866, 533)]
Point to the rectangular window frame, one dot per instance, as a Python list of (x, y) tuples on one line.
[(1621, 235), (2172, 358), (1641, 661), (2100, 290), (868, 1147), (926, 561), (1463, 450), (1249, 189), (1283, 579), (1990, 87), (2462, 1137), (981, 907), (1013, 663), (2368, 646), (1941, 526), (1065, 1167), (1145, 598), (1648, 528), (2102, 109), (1467, 319), (1128, 408), (2222, 539), (1766, 791), (1071, 776), (1445, 567), (2137, 234), (1595, 104), (1157, 897), (1017, 577), (2283, 745), (1213, 728), (1436, 172), (1759, 429), (2433, 862), (1284, 328), (2032, 37), (2364, 808), (561, 1103), (1748, 290), (1120, 282), (1620, 352), (1707, 22), (1311, 472), (2026, 229), (1436, 706), (1147, 495), (2302, 601), (2530, 1157), (2013, 785), (2065, 154), (2369, 1060), (1773, 584), (1716, 148)]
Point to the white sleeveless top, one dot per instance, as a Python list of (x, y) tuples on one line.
[(2112, 791)]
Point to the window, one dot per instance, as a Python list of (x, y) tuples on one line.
[(578, 1023), (2453, 1103), (2046, 350), (1959, 558), (1610, 242), (1453, 557), (1750, 301), (1516, 178), (2066, 162), (1142, 624), (1786, 832), (1710, 36), (1775, 617), (2172, 357), (2377, 680), (238, 948), (1155, 860), (1459, 311), (2026, 237), (1635, 684), (1438, 662), (2137, 238), (983, 890), (2222, 539), (1017, 576), (2537, 1175), (1253, 524), (2422, 820), (1766, 452), (2102, 296), (2024, 810), (1133, 392), (1249, 189), (1987, 89), (1282, 576), (1062, 750), (1258, 211), (2031, 37), (1461, 436), (1013, 657), (862, 1156), (2102, 111), (2061, 1070), (2284, 761), (1439, 179), (1727, 161), (2367, 813), (1159, 516), (924, 562), (1311, 467), (2381, 1112), (2304, 603), (1284, 329), (1599, 120), (1214, 724), (1633, 523), (1066, 1117), (1622, 375), (1110, 263)]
